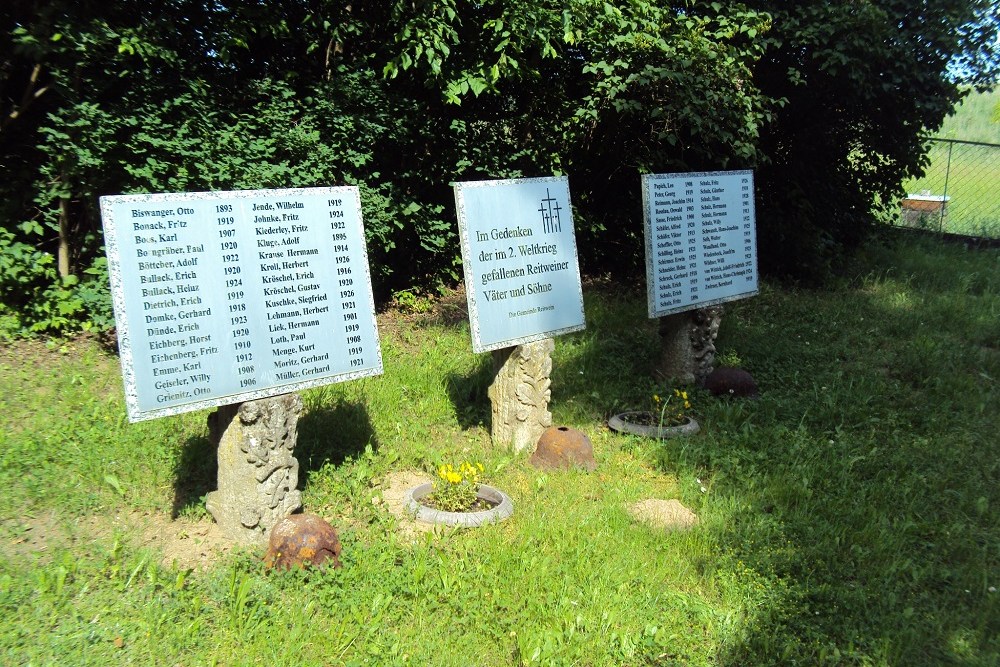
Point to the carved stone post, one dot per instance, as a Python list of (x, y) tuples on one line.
[(706, 329), (257, 472), (520, 394), (688, 344), (676, 356)]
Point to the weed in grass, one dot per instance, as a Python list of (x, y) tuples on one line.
[(245, 611)]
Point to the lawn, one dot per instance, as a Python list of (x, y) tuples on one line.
[(850, 516), (968, 173), (976, 118)]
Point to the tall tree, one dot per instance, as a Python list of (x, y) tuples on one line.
[(827, 100), (862, 82), (599, 90)]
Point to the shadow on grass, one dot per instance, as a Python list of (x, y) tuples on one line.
[(850, 572), (330, 433), (194, 475), (858, 491), (469, 395), (581, 382), (327, 434), (606, 369)]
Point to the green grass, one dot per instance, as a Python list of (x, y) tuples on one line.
[(974, 119), (849, 516), (968, 174), (971, 176)]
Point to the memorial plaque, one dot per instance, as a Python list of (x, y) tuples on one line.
[(522, 277), (701, 239), (225, 297)]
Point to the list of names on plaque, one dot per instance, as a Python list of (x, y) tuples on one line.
[(519, 255), (701, 239), (229, 296)]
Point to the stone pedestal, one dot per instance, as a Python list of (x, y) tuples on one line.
[(676, 357), (520, 394), (706, 323), (257, 473), (688, 345)]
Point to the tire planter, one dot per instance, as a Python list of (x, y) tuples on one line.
[(623, 424), (503, 508)]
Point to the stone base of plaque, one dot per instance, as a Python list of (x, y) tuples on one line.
[(257, 471), (688, 345), (676, 357), (520, 394), (706, 328)]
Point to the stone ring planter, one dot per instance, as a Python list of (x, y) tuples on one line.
[(502, 508), (627, 422)]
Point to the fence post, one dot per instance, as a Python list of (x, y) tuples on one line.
[(944, 196)]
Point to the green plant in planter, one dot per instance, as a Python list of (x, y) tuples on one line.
[(456, 490), (673, 410)]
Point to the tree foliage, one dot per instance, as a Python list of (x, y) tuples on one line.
[(863, 83), (826, 100)]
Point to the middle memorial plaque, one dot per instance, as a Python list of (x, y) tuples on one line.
[(522, 277)]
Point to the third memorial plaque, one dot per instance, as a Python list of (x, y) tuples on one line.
[(701, 239)]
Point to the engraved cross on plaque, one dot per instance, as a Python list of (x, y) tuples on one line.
[(551, 224)]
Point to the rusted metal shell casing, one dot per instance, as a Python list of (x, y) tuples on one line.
[(561, 447)]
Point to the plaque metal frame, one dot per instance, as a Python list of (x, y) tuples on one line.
[(651, 297), (126, 353), (471, 291)]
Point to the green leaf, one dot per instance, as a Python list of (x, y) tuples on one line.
[(115, 484), (477, 85)]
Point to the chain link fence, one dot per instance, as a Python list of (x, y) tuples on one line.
[(960, 193)]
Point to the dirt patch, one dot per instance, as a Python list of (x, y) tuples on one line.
[(190, 544), (31, 536), (27, 353), (394, 488), (665, 514), (447, 308)]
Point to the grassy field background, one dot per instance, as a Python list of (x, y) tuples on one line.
[(850, 516), (977, 118), (968, 174)]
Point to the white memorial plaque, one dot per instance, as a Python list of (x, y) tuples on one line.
[(223, 297), (522, 278), (701, 239)]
